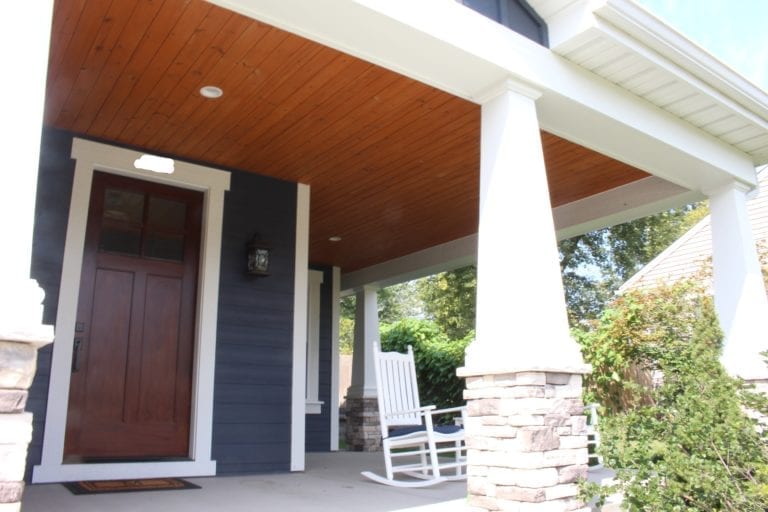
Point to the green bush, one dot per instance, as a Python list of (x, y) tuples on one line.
[(679, 441), (436, 357)]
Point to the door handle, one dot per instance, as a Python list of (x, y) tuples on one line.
[(76, 355)]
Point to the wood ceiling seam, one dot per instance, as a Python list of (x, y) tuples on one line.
[(403, 134), (354, 150), (170, 83), (63, 77), (98, 55), (161, 61), (283, 51), (300, 102), (339, 111), (345, 111), (222, 59), (114, 67), (140, 60)]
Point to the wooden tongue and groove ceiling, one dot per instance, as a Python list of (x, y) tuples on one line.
[(393, 163)]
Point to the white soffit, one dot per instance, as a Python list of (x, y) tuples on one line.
[(621, 42)]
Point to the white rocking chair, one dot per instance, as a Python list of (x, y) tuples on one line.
[(407, 429)]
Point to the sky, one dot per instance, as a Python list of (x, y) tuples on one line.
[(734, 31)]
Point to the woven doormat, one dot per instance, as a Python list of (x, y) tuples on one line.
[(143, 484)]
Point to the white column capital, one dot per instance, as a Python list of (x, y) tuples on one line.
[(731, 186), (505, 86)]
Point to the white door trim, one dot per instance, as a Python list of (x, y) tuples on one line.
[(91, 156)]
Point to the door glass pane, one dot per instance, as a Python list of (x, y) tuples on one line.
[(166, 214), (126, 241), (165, 247), (123, 206)]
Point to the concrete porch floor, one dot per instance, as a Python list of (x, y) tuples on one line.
[(331, 482)]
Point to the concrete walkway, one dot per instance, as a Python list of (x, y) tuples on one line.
[(332, 482)]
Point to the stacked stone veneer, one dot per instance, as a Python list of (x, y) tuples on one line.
[(526, 441), (363, 433), (17, 369)]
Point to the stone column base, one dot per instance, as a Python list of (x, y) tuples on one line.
[(526, 441), (363, 431), (17, 369)]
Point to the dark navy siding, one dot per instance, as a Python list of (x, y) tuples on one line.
[(318, 426), (254, 351), (515, 14), (252, 394)]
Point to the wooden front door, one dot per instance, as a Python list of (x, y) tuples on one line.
[(131, 381)]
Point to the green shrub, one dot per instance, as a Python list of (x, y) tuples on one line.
[(682, 442), (436, 357)]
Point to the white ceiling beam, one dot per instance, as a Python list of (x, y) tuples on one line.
[(621, 204)]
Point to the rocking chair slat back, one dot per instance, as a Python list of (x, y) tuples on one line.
[(397, 388)]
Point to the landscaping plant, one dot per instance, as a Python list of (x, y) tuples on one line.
[(436, 357), (674, 423)]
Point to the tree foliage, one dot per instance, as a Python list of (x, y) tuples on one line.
[(449, 300), (595, 264), (674, 425)]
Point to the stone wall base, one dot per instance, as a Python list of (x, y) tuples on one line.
[(526, 441), (363, 432), (17, 369)]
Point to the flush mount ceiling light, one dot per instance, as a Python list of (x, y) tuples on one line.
[(154, 163), (211, 91)]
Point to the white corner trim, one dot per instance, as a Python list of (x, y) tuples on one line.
[(93, 156), (299, 373), (314, 404), (335, 317)]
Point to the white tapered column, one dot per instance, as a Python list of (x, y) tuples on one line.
[(521, 313), (363, 431), (525, 430), (740, 297)]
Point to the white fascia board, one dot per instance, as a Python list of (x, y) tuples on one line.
[(629, 24), (435, 42), (636, 24), (439, 258), (621, 204)]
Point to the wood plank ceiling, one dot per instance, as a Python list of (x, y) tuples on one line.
[(393, 163)]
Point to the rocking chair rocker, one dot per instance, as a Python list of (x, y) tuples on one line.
[(408, 430)]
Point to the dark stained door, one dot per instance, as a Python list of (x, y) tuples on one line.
[(131, 381)]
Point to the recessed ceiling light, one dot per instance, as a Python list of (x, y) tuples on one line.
[(335, 239), (211, 91)]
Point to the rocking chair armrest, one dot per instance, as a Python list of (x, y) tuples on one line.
[(423, 411), (461, 409)]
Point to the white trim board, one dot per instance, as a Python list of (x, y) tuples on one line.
[(299, 373), (92, 156), (335, 317)]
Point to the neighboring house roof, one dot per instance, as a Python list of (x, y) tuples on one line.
[(686, 255)]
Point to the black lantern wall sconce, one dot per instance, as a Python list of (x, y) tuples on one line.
[(258, 257)]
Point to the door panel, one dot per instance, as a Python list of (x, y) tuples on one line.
[(130, 388)]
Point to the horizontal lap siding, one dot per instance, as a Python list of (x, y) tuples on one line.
[(318, 426), (254, 351)]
